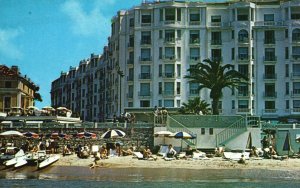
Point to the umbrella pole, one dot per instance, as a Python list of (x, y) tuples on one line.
[(181, 145)]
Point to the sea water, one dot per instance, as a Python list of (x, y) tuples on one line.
[(57, 177)]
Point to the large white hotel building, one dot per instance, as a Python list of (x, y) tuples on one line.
[(154, 44)]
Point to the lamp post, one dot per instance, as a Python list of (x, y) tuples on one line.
[(121, 75)]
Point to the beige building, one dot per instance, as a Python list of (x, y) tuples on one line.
[(16, 90)]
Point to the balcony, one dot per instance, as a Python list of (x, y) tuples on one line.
[(243, 40), (269, 23), (271, 94), (169, 58), (145, 76), (270, 76), (243, 58), (195, 59), (295, 93), (168, 93), (144, 93), (295, 57), (168, 75), (145, 59), (194, 41), (269, 41), (194, 22), (130, 61), (270, 59), (269, 111), (169, 41), (216, 42), (219, 24), (145, 42)]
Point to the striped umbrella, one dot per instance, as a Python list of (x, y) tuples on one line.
[(31, 135), (86, 135), (182, 135), (115, 133)]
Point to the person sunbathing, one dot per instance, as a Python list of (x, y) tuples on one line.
[(147, 154), (127, 152), (103, 153)]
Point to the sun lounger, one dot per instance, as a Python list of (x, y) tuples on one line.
[(163, 150), (139, 155)]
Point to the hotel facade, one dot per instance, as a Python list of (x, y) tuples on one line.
[(152, 46)]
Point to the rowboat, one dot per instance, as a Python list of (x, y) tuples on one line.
[(48, 161)]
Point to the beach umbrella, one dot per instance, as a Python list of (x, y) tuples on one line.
[(31, 135), (115, 133), (182, 135), (86, 135), (11, 134), (287, 143), (163, 134)]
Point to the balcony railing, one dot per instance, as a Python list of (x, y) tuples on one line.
[(272, 94), (216, 42), (270, 76), (269, 23), (243, 57), (145, 59), (295, 39), (130, 61), (168, 75), (169, 57), (168, 93), (194, 22), (269, 41), (243, 110), (195, 58), (144, 93), (145, 76), (169, 40), (269, 111), (243, 40), (146, 41), (217, 59), (270, 58), (243, 94), (295, 92)]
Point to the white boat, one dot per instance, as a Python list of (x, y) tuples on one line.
[(48, 161), (21, 163), (10, 153), (15, 160), (34, 157)]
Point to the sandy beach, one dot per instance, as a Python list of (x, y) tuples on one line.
[(211, 163)]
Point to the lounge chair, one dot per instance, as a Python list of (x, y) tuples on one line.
[(163, 150), (139, 155)]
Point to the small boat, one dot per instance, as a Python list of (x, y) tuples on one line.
[(35, 157), (21, 163), (10, 153), (15, 160), (48, 161)]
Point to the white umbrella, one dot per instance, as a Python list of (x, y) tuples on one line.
[(115, 133), (11, 133), (163, 134)]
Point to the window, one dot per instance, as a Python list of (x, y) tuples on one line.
[(295, 16), (145, 54), (233, 104), (178, 34), (269, 71), (194, 16), (178, 53), (216, 18), (7, 102), (286, 33), (268, 17), (178, 70), (296, 88), (195, 54), (146, 37), (287, 70), (296, 103), (160, 53), (168, 103), (216, 54), (243, 53), (146, 18), (170, 53), (160, 70), (145, 89), (211, 131), (131, 22), (169, 88), (287, 104), (216, 38), (296, 69), (160, 88), (296, 35), (270, 54), (170, 36), (270, 90), (243, 69), (130, 91), (131, 41), (194, 89), (178, 14), (287, 88), (243, 104), (232, 34), (194, 37), (296, 52), (243, 90), (270, 105), (286, 52), (269, 37), (203, 131), (232, 53), (95, 100), (144, 103), (130, 74), (145, 72), (178, 88), (8, 84), (160, 34), (169, 70), (243, 36), (170, 14)]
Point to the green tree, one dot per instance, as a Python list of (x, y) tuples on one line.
[(215, 76), (195, 106)]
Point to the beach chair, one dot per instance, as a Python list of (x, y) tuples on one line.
[(163, 150), (139, 155)]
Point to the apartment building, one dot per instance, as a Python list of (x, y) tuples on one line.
[(153, 44), (16, 90)]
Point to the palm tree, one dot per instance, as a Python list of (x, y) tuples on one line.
[(195, 106), (214, 76)]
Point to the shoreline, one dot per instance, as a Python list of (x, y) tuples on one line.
[(194, 164)]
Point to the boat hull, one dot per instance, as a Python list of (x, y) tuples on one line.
[(48, 161)]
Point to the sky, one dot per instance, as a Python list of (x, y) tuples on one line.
[(45, 37)]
